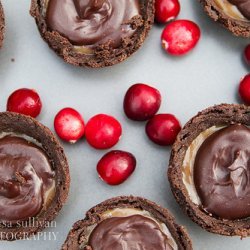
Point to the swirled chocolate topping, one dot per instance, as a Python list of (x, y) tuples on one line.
[(222, 173), (243, 6), (132, 232), (92, 22), (25, 179)]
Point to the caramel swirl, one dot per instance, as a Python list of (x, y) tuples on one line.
[(26, 178), (92, 22), (243, 6), (222, 173)]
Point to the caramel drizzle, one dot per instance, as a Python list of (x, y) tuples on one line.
[(230, 9)]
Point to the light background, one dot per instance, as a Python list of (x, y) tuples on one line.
[(207, 76)]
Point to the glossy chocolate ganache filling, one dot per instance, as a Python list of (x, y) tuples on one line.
[(130, 229), (27, 182), (92, 22), (221, 171)]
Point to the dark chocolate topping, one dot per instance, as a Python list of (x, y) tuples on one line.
[(78, 236), (92, 22), (243, 6), (222, 173), (132, 232), (25, 177)]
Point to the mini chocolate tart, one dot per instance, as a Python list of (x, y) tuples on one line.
[(232, 14), (127, 222), (209, 169), (93, 33), (2, 25), (34, 176)]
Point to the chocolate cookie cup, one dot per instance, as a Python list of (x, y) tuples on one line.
[(209, 169), (34, 176), (2, 25), (93, 33), (232, 14), (130, 222)]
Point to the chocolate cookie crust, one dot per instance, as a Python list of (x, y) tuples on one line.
[(2, 25), (237, 27), (103, 55), (24, 125), (220, 115), (78, 233)]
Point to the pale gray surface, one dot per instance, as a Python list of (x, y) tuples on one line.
[(207, 76)]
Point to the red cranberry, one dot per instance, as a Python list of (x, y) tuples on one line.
[(162, 129), (25, 101), (244, 89), (116, 166), (69, 125), (103, 131), (247, 54), (166, 10), (141, 102), (179, 37)]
